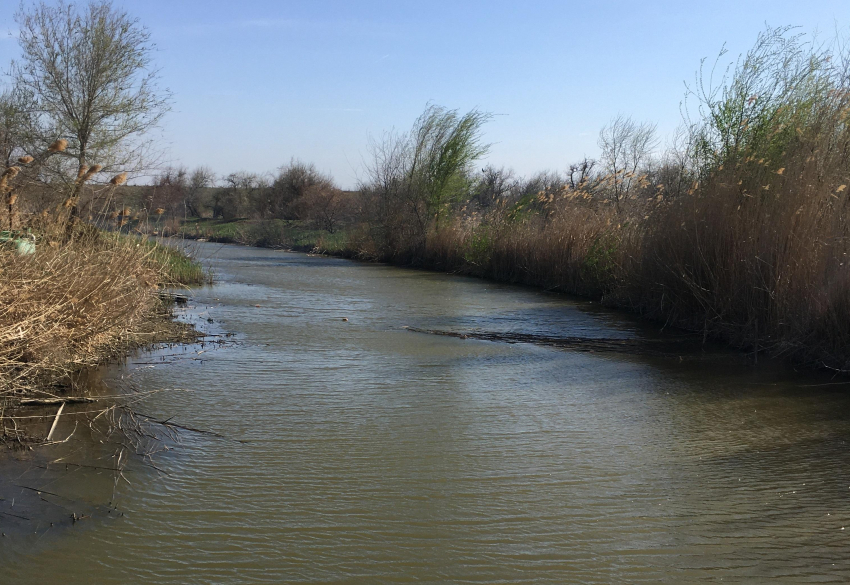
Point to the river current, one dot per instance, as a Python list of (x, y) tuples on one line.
[(353, 450)]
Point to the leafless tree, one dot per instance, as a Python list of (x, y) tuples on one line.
[(326, 207), (288, 194), (494, 184), (201, 179), (88, 71), (168, 191), (678, 167), (241, 192), (625, 145), (581, 173), (12, 126)]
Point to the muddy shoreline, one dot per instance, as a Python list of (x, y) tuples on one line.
[(27, 419)]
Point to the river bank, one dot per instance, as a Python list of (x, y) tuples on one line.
[(73, 305), (736, 230), (592, 257)]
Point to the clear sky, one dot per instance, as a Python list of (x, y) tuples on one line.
[(258, 82)]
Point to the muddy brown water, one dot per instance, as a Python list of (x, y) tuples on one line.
[(361, 452)]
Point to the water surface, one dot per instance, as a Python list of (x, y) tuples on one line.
[(356, 451)]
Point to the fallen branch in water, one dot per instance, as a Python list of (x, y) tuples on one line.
[(52, 401), (55, 422), (168, 423)]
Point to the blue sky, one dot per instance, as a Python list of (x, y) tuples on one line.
[(258, 82)]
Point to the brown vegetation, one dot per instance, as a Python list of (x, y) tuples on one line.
[(739, 231), (81, 296), (71, 305)]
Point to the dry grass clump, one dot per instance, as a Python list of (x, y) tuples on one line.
[(572, 250), (70, 306)]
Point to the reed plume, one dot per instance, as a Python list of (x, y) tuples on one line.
[(118, 179), (90, 172), (58, 146)]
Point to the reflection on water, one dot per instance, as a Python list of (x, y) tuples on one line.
[(373, 454)]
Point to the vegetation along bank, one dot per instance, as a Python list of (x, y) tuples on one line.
[(737, 229), (74, 290)]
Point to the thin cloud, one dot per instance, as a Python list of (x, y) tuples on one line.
[(195, 29)]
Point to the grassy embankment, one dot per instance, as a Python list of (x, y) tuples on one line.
[(273, 233)]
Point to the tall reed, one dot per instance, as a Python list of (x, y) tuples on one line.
[(744, 237)]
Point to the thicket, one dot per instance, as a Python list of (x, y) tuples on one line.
[(298, 191), (739, 230)]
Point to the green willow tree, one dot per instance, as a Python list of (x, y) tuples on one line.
[(444, 145), (415, 177)]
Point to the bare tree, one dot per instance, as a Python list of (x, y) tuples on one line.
[(326, 206), (168, 191), (241, 192), (88, 72), (626, 145), (202, 178), (581, 174), (678, 167), (493, 185), (288, 194)]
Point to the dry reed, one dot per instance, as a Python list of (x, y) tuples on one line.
[(70, 306), (747, 241)]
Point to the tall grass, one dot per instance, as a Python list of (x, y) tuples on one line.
[(81, 298), (741, 235), (71, 306), (756, 254), (176, 266)]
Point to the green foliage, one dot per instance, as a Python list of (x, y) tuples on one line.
[(415, 179), (445, 144), (176, 266), (478, 248), (600, 262), (762, 106), (272, 233), (88, 72)]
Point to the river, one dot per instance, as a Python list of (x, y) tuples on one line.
[(354, 450)]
